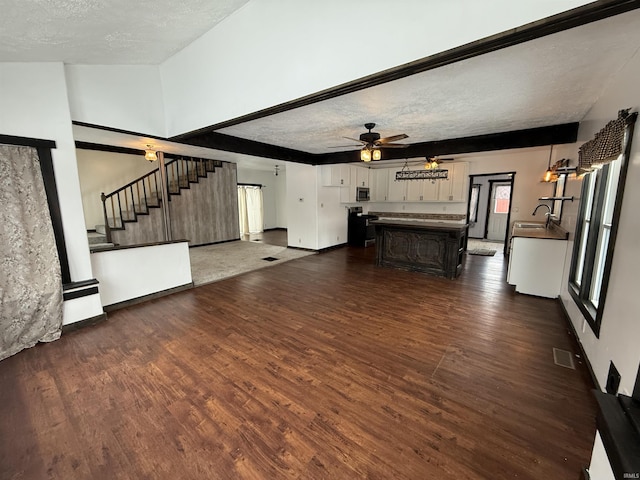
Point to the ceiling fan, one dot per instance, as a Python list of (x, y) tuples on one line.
[(372, 143), (433, 163)]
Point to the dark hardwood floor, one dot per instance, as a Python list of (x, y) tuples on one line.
[(325, 367)]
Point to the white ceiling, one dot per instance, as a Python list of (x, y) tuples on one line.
[(105, 32), (551, 80)]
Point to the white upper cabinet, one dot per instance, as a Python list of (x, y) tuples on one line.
[(455, 188), (379, 184), (361, 176), (336, 175), (385, 188), (397, 189), (422, 190)]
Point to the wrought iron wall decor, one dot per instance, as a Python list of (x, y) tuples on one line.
[(422, 174)]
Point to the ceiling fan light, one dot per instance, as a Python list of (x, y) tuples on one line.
[(365, 155), (431, 165), (377, 155)]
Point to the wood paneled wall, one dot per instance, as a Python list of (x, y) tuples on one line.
[(207, 212)]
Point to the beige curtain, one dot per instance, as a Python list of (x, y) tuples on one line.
[(250, 209), (242, 212), (30, 278)]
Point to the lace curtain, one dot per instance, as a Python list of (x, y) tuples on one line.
[(30, 278)]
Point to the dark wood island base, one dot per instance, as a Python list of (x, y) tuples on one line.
[(433, 248)]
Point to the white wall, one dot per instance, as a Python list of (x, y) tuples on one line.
[(131, 273), (271, 192), (529, 165), (259, 56), (105, 172), (33, 103), (302, 205), (128, 97), (332, 216), (281, 200), (620, 329)]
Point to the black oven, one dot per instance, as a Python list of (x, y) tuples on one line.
[(360, 232)]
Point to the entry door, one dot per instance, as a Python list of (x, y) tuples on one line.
[(498, 211)]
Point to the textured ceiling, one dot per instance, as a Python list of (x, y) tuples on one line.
[(551, 80), (105, 32)]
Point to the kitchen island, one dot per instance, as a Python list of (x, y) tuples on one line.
[(435, 248)]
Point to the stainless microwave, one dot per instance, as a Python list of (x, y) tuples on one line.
[(362, 194)]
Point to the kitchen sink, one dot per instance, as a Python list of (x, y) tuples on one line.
[(529, 225)]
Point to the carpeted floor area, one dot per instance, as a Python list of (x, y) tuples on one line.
[(215, 262)]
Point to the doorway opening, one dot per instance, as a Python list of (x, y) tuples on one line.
[(489, 209)]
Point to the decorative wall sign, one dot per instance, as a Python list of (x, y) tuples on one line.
[(422, 175)]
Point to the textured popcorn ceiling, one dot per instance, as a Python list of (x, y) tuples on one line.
[(551, 80), (547, 81), (105, 31)]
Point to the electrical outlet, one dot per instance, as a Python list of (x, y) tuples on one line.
[(299, 240), (338, 238)]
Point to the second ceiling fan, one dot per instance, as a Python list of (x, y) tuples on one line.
[(372, 143)]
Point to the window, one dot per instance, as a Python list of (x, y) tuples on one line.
[(473, 203), (503, 194), (596, 228)]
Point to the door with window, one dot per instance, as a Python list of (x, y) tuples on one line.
[(498, 211)]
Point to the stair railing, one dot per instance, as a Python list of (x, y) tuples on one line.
[(135, 198)]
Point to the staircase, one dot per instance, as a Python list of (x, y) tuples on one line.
[(132, 202)]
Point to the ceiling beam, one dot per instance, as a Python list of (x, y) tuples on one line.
[(531, 137), (228, 143)]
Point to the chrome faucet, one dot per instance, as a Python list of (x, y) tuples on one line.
[(548, 214)]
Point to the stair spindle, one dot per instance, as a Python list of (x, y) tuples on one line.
[(120, 210), (113, 213), (139, 198)]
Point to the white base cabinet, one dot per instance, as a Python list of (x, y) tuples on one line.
[(536, 266)]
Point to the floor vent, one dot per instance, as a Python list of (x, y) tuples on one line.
[(270, 259), (563, 358)]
